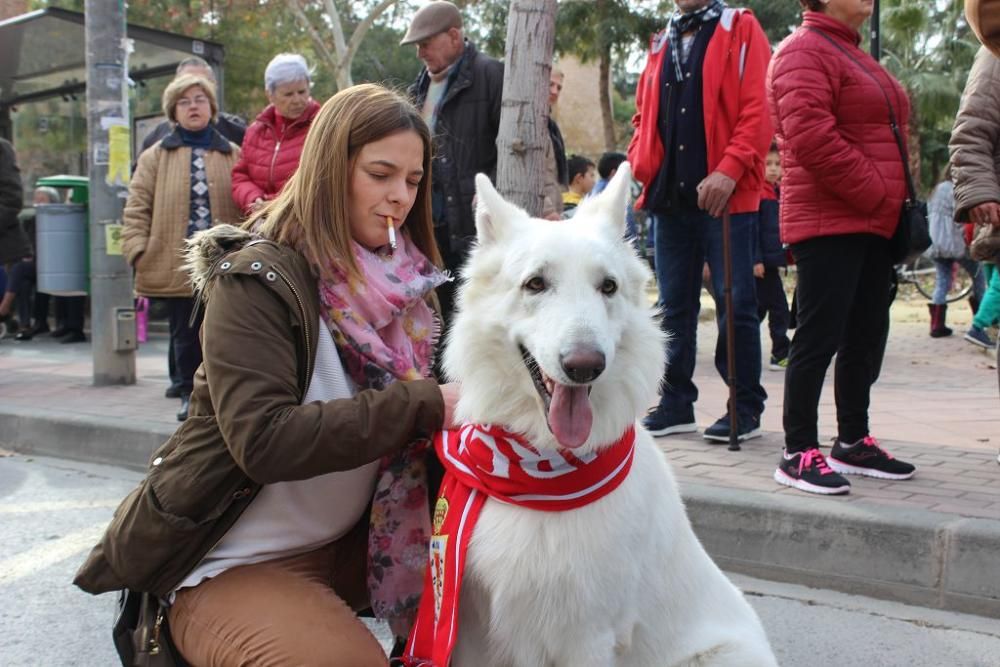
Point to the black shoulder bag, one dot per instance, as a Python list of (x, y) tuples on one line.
[(912, 236), (141, 635)]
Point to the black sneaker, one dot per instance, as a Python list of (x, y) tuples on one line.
[(659, 423), (808, 471), (749, 427), (866, 457)]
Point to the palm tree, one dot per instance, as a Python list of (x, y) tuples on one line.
[(593, 30), (929, 48)]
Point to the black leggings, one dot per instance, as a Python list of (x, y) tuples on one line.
[(843, 298)]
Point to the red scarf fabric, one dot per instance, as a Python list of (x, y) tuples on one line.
[(484, 461)]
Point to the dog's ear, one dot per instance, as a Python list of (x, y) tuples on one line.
[(494, 214), (612, 202)]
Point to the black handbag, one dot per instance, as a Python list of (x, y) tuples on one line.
[(141, 633), (912, 236)]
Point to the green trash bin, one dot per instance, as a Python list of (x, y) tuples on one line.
[(62, 239)]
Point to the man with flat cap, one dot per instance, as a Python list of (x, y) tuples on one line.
[(458, 91)]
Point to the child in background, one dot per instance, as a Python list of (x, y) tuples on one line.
[(607, 167), (770, 254), (582, 176)]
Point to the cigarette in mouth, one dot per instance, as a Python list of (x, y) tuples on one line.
[(392, 232)]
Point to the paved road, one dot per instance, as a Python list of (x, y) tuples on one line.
[(52, 511)]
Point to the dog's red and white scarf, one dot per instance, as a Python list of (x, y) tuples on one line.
[(484, 461)]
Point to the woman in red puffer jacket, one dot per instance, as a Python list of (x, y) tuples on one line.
[(273, 142), (842, 191)]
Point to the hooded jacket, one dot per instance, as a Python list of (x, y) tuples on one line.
[(269, 159), (975, 139), (737, 126), (841, 168), (247, 426)]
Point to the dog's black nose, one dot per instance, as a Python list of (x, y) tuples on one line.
[(583, 364)]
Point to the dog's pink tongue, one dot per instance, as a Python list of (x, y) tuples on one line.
[(570, 416)]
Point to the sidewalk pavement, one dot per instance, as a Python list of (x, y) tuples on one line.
[(933, 540)]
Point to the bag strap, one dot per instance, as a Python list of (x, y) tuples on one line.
[(911, 191)]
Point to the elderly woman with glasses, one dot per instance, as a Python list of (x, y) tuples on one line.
[(181, 186), (273, 142)]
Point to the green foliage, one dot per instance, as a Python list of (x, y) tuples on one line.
[(777, 17), (930, 49), (253, 31), (51, 138)]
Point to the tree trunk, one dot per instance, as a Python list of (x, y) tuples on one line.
[(340, 56), (607, 113), (525, 108)]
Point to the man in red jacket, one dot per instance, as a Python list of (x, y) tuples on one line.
[(701, 133)]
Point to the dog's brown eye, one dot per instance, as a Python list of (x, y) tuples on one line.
[(535, 284), (609, 287)]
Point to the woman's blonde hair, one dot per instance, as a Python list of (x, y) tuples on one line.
[(311, 212), (180, 85)]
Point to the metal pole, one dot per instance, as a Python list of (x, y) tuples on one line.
[(727, 262), (876, 43), (112, 313)]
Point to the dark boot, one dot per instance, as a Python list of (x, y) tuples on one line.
[(182, 414), (938, 313)]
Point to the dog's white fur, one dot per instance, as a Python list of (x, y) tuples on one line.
[(623, 581)]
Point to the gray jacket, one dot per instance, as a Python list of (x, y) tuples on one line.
[(975, 139)]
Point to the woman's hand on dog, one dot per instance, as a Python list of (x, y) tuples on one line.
[(450, 393)]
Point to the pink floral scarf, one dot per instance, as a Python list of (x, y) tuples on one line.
[(385, 331)]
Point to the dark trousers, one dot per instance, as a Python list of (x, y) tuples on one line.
[(185, 346), (175, 376), (21, 282), (772, 303), (453, 263), (843, 309), (684, 241), (70, 312)]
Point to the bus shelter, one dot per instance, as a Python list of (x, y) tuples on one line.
[(43, 81)]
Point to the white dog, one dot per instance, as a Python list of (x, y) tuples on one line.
[(555, 340)]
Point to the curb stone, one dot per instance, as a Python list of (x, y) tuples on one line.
[(81, 437), (913, 556), (918, 557)]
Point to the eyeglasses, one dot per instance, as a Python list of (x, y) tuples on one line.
[(185, 102)]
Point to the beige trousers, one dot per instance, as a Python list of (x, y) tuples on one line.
[(291, 611)]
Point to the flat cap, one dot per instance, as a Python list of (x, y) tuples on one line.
[(431, 19)]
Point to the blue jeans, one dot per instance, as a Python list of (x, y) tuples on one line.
[(944, 269), (684, 240)]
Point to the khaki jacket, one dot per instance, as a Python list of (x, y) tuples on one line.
[(247, 426), (975, 139), (158, 209)]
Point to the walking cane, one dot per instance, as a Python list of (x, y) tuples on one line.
[(727, 261)]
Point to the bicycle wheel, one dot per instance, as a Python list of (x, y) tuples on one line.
[(923, 274)]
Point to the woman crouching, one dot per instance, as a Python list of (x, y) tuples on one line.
[(253, 521)]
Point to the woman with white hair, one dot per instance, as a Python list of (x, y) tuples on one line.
[(273, 142)]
